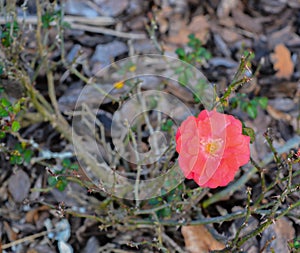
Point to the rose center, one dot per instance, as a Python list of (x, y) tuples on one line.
[(211, 147)]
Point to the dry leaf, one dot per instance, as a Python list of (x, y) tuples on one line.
[(282, 61), (33, 215), (11, 234), (199, 26), (198, 239), (278, 115)]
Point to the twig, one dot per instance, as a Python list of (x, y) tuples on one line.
[(39, 27), (95, 21), (172, 243), (27, 238), (102, 30), (217, 219), (51, 90)]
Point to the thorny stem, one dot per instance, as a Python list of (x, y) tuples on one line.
[(262, 175), (248, 215), (217, 219), (270, 143)]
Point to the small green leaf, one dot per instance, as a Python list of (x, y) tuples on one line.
[(3, 113), (234, 102), (180, 52), (297, 243), (5, 102), (17, 107), (167, 125), (249, 132), (263, 102), (15, 127), (52, 180), (2, 135), (252, 111), (165, 212), (196, 98), (27, 155), (16, 159), (74, 166), (66, 163), (244, 105), (61, 184)]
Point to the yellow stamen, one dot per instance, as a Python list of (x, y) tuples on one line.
[(211, 147)]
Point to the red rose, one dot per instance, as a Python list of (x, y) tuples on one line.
[(211, 148)]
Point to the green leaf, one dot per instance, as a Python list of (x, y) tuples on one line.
[(15, 127), (249, 132), (52, 180), (61, 184), (297, 243), (74, 166), (196, 98), (16, 159), (167, 125), (66, 163), (2, 135), (234, 102), (5, 102), (263, 102), (252, 111), (165, 212), (180, 52), (244, 105), (27, 155), (17, 107), (3, 113)]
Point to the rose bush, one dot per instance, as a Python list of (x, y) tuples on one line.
[(211, 148)]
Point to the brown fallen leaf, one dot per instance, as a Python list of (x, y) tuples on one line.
[(33, 215), (199, 26), (282, 62), (278, 115), (11, 234), (199, 240)]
